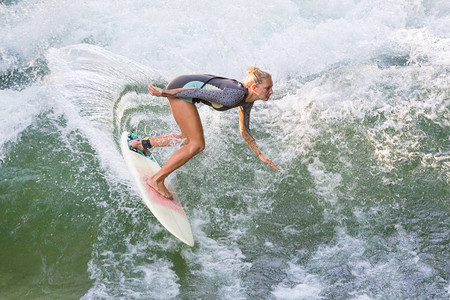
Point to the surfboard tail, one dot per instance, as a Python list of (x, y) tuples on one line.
[(169, 213)]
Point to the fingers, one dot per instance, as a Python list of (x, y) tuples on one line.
[(154, 91), (151, 89), (269, 162), (273, 166)]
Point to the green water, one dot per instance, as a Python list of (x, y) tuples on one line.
[(358, 123), (68, 224)]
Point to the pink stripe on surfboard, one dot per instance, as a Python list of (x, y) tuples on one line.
[(161, 200)]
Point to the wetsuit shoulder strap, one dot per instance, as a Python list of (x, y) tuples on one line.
[(207, 81), (203, 85), (196, 100), (212, 77), (220, 77)]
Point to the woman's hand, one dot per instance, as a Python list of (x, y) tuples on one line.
[(268, 161), (154, 91)]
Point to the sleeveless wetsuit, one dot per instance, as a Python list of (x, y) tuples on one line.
[(218, 92)]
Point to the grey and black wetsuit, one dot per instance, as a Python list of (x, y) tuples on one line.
[(218, 92)]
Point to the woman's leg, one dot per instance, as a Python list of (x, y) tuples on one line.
[(168, 140), (188, 119), (165, 140)]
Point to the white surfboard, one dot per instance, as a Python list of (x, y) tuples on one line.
[(169, 212)]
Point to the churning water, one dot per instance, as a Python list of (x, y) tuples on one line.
[(359, 124)]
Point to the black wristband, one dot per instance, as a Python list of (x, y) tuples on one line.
[(146, 143)]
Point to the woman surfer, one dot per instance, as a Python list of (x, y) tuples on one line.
[(220, 93)]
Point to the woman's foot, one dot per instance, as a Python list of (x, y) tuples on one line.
[(137, 143), (159, 187)]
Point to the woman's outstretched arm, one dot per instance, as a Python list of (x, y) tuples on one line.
[(158, 92), (243, 128)]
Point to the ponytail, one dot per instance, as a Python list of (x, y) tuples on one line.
[(255, 76)]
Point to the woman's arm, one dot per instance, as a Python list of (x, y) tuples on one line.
[(244, 117), (158, 92), (228, 97)]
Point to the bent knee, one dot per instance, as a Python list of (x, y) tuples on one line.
[(196, 147)]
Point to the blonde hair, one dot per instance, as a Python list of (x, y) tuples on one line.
[(255, 76)]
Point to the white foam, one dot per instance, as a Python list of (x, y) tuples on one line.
[(286, 38), (153, 280), (29, 27), (347, 258), (299, 285), (17, 112), (400, 95), (326, 182), (292, 40), (84, 84), (217, 263)]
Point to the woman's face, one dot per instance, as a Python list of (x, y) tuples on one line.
[(264, 89)]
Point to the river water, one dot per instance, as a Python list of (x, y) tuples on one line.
[(358, 123)]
